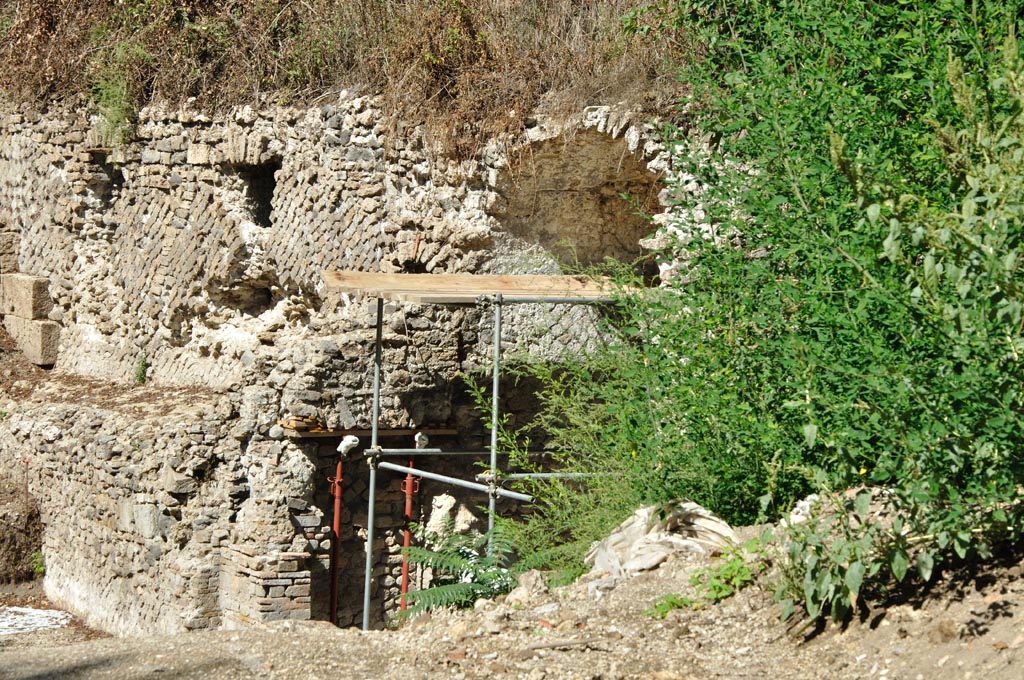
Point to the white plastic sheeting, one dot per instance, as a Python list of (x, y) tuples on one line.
[(25, 619), (651, 535)]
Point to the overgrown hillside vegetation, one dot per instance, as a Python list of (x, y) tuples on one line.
[(846, 311), (471, 68)]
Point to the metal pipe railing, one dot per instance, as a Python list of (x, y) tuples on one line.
[(436, 452), (520, 300), (545, 475), (455, 481)]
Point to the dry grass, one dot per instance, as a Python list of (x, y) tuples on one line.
[(471, 68)]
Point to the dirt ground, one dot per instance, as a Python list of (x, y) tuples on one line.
[(969, 624)]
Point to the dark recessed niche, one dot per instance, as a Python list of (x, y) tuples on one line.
[(106, 178), (253, 297), (260, 181)]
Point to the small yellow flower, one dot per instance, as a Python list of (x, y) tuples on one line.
[(863, 471)]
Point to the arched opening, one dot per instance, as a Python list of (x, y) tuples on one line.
[(582, 199)]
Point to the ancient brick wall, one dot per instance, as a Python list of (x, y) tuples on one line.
[(192, 256)]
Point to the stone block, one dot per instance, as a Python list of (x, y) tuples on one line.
[(36, 339), (125, 515), (177, 483), (147, 519), (26, 296)]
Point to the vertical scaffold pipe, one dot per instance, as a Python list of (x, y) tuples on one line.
[(495, 393), (374, 445), (411, 486)]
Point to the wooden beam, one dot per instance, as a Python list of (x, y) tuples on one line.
[(465, 288), (326, 434)]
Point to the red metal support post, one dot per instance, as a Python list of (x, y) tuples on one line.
[(335, 483), (410, 486)]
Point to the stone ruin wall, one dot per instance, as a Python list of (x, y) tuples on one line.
[(193, 254)]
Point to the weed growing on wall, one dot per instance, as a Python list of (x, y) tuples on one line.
[(141, 368), (38, 565), (112, 92)]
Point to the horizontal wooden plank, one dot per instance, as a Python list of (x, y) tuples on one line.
[(326, 434), (464, 288)]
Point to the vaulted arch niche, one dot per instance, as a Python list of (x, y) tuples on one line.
[(581, 198)]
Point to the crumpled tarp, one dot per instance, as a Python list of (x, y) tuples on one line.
[(26, 619), (651, 535)]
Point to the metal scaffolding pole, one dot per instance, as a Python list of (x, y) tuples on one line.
[(546, 475), (372, 460), (522, 299), (455, 481), (495, 393)]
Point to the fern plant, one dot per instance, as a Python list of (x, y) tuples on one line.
[(464, 570)]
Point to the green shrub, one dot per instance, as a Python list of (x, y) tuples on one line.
[(38, 565), (883, 314), (847, 307)]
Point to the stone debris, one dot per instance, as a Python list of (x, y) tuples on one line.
[(532, 586), (650, 536), (802, 511)]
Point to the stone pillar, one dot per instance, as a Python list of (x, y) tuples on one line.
[(25, 302)]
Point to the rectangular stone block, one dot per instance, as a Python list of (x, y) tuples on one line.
[(36, 339), (25, 296)]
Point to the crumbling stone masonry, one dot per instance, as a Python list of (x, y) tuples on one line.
[(183, 273)]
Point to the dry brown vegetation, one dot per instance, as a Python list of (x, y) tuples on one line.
[(476, 67)]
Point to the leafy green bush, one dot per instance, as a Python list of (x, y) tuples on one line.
[(846, 306), (956, 488)]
